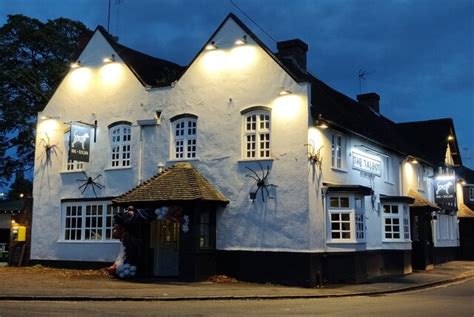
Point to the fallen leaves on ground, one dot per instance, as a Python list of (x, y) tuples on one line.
[(222, 279), (55, 272)]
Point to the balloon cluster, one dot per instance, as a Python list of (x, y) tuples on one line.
[(126, 270)]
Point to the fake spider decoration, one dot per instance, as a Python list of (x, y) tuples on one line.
[(262, 183), (89, 181), (49, 149), (314, 156)]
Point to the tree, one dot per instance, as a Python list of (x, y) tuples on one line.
[(21, 187), (34, 57)]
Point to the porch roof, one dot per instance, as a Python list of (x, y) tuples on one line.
[(421, 201), (465, 212), (180, 183), (357, 189)]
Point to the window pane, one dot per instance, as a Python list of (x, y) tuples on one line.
[(334, 202), (345, 217), (344, 202)]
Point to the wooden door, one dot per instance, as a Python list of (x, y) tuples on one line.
[(165, 242)]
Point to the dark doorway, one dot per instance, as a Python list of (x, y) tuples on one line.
[(165, 244), (422, 239)]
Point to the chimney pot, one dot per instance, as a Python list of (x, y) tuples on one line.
[(371, 100)]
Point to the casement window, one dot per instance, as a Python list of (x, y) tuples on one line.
[(87, 221), (338, 151), (184, 136), (256, 134), (204, 230), (396, 223), (120, 144), (471, 193), (71, 165), (346, 218)]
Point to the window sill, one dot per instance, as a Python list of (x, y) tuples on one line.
[(339, 170), (194, 159), (256, 160), (71, 171), (348, 241), (89, 241), (390, 183), (396, 241), (118, 168)]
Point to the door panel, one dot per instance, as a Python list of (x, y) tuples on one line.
[(165, 241)]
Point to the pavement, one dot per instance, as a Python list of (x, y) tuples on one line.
[(29, 284)]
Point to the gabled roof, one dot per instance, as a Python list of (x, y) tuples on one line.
[(180, 183), (298, 76), (150, 71), (431, 138)]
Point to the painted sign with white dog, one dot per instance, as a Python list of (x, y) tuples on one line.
[(79, 143), (445, 194)]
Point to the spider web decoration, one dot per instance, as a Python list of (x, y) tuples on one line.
[(262, 182), (49, 149), (89, 181)]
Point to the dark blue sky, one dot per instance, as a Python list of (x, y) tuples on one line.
[(419, 53)]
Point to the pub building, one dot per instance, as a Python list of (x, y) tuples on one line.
[(249, 161)]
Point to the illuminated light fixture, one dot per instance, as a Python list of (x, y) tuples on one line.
[(462, 182), (21, 195), (284, 92), (320, 123), (450, 138), (13, 221), (110, 59), (75, 65), (241, 41), (211, 46), (49, 117), (412, 160)]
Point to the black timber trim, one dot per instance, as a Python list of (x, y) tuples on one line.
[(155, 203), (116, 123), (78, 200), (397, 199), (357, 189), (183, 115), (255, 108)]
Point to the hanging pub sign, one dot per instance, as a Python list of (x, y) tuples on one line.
[(79, 142), (367, 164), (445, 194)]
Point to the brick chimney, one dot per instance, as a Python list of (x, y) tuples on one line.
[(370, 100), (294, 50)]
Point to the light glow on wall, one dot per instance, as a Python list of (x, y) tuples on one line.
[(80, 79), (234, 59), (315, 138), (48, 127), (287, 107), (110, 74), (409, 175)]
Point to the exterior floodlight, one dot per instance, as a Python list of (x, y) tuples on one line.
[(110, 59), (284, 93), (74, 65), (450, 138), (211, 46), (241, 41), (412, 160)]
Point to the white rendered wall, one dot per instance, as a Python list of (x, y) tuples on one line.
[(318, 137), (106, 93), (216, 87)]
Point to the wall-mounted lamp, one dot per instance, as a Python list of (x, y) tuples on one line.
[(284, 92), (110, 59), (450, 138), (211, 46), (49, 117), (461, 181), (320, 122), (75, 65), (412, 160), (241, 41)]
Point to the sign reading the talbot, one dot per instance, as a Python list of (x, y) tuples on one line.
[(366, 164), (79, 143)]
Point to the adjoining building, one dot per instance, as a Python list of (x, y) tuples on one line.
[(281, 178)]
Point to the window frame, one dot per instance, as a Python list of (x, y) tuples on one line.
[(123, 157), (471, 193), (388, 169), (402, 216), (189, 140), (205, 241), (106, 220), (357, 225), (258, 132), (342, 151)]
